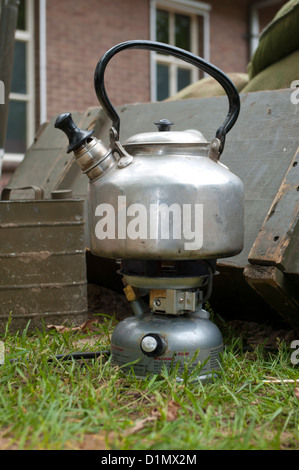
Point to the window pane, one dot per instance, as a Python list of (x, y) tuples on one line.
[(18, 83), (162, 82), (16, 128), (182, 31), (162, 26), (21, 24), (183, 78)]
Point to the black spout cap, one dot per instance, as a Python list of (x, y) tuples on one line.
[(76, 136)]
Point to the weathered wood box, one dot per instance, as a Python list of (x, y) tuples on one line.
[(262, 149)]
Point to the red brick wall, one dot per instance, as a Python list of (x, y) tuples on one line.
[(229, 24), (78, 33), (267, 13)]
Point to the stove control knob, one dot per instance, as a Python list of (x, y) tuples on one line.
[(152, 345)]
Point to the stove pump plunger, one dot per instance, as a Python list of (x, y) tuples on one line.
[(164, 205)]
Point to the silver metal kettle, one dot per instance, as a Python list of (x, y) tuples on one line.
[(164, 194), (164, 205)]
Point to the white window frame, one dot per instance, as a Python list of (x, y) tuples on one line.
[(192, 9), (27, 37)]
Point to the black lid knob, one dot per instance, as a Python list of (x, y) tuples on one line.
[(76, 136), (164, 125)]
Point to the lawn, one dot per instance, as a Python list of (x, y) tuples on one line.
[(50, 404)]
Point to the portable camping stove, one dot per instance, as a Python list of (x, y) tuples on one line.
[(173, 330), (165, 206)]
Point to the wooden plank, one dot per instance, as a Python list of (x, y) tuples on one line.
[(259, 149), (71, 176), (46, 161), (276, 289), (259, 158), (271, 246), (291, 261)]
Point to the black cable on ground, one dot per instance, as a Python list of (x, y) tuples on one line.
[(76, 356)]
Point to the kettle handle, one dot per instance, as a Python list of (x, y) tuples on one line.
[(225, 82)]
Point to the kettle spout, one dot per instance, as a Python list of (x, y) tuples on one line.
[(92, 156)]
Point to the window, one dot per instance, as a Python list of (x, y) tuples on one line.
[(184, 24), (20, 126)]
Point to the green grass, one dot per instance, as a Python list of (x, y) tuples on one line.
[(90, 404)]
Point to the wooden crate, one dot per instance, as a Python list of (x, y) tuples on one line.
[(262, 149)]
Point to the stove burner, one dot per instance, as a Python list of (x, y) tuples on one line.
[(174, 287), (168, 269)]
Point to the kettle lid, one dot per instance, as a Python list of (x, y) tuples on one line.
[(166, 136)]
